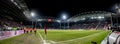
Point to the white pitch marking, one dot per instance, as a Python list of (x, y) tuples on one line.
[(52, 42), (78, 38), (44, 42)]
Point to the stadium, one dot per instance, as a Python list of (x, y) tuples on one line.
[(42, 22)]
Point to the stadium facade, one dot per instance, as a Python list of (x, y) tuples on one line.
[(85, 20)]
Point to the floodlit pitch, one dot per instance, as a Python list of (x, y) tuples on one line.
[(59, 37)]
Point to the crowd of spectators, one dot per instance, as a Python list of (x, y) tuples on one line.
[(8, 25), (90, 26)]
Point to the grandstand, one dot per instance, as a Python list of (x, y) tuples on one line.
[(92, 20), (87, 20), (19, 24)]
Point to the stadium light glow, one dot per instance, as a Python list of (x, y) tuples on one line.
[(64, 16), (32, 14), (116, 6), (39, 20), (58, 21), (119, 10), (100, 17), (92, 17), (83, 18)]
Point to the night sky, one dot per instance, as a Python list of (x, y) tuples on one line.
[(54, 8)]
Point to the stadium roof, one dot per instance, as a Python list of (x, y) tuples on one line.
[(90, 14), (20, 10), (9, 10)]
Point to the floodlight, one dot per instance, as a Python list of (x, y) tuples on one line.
[(100, 17), (32, 14), (64, 17), (39, 20), (83, 18), (58, 21)]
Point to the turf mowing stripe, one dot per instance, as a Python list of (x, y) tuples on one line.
[(78, 38)]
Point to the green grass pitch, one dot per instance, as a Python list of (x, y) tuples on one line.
[(59, 37)]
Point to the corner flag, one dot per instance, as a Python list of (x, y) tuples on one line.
[(45, 31)]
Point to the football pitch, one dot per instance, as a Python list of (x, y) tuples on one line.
[(59, 37)]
